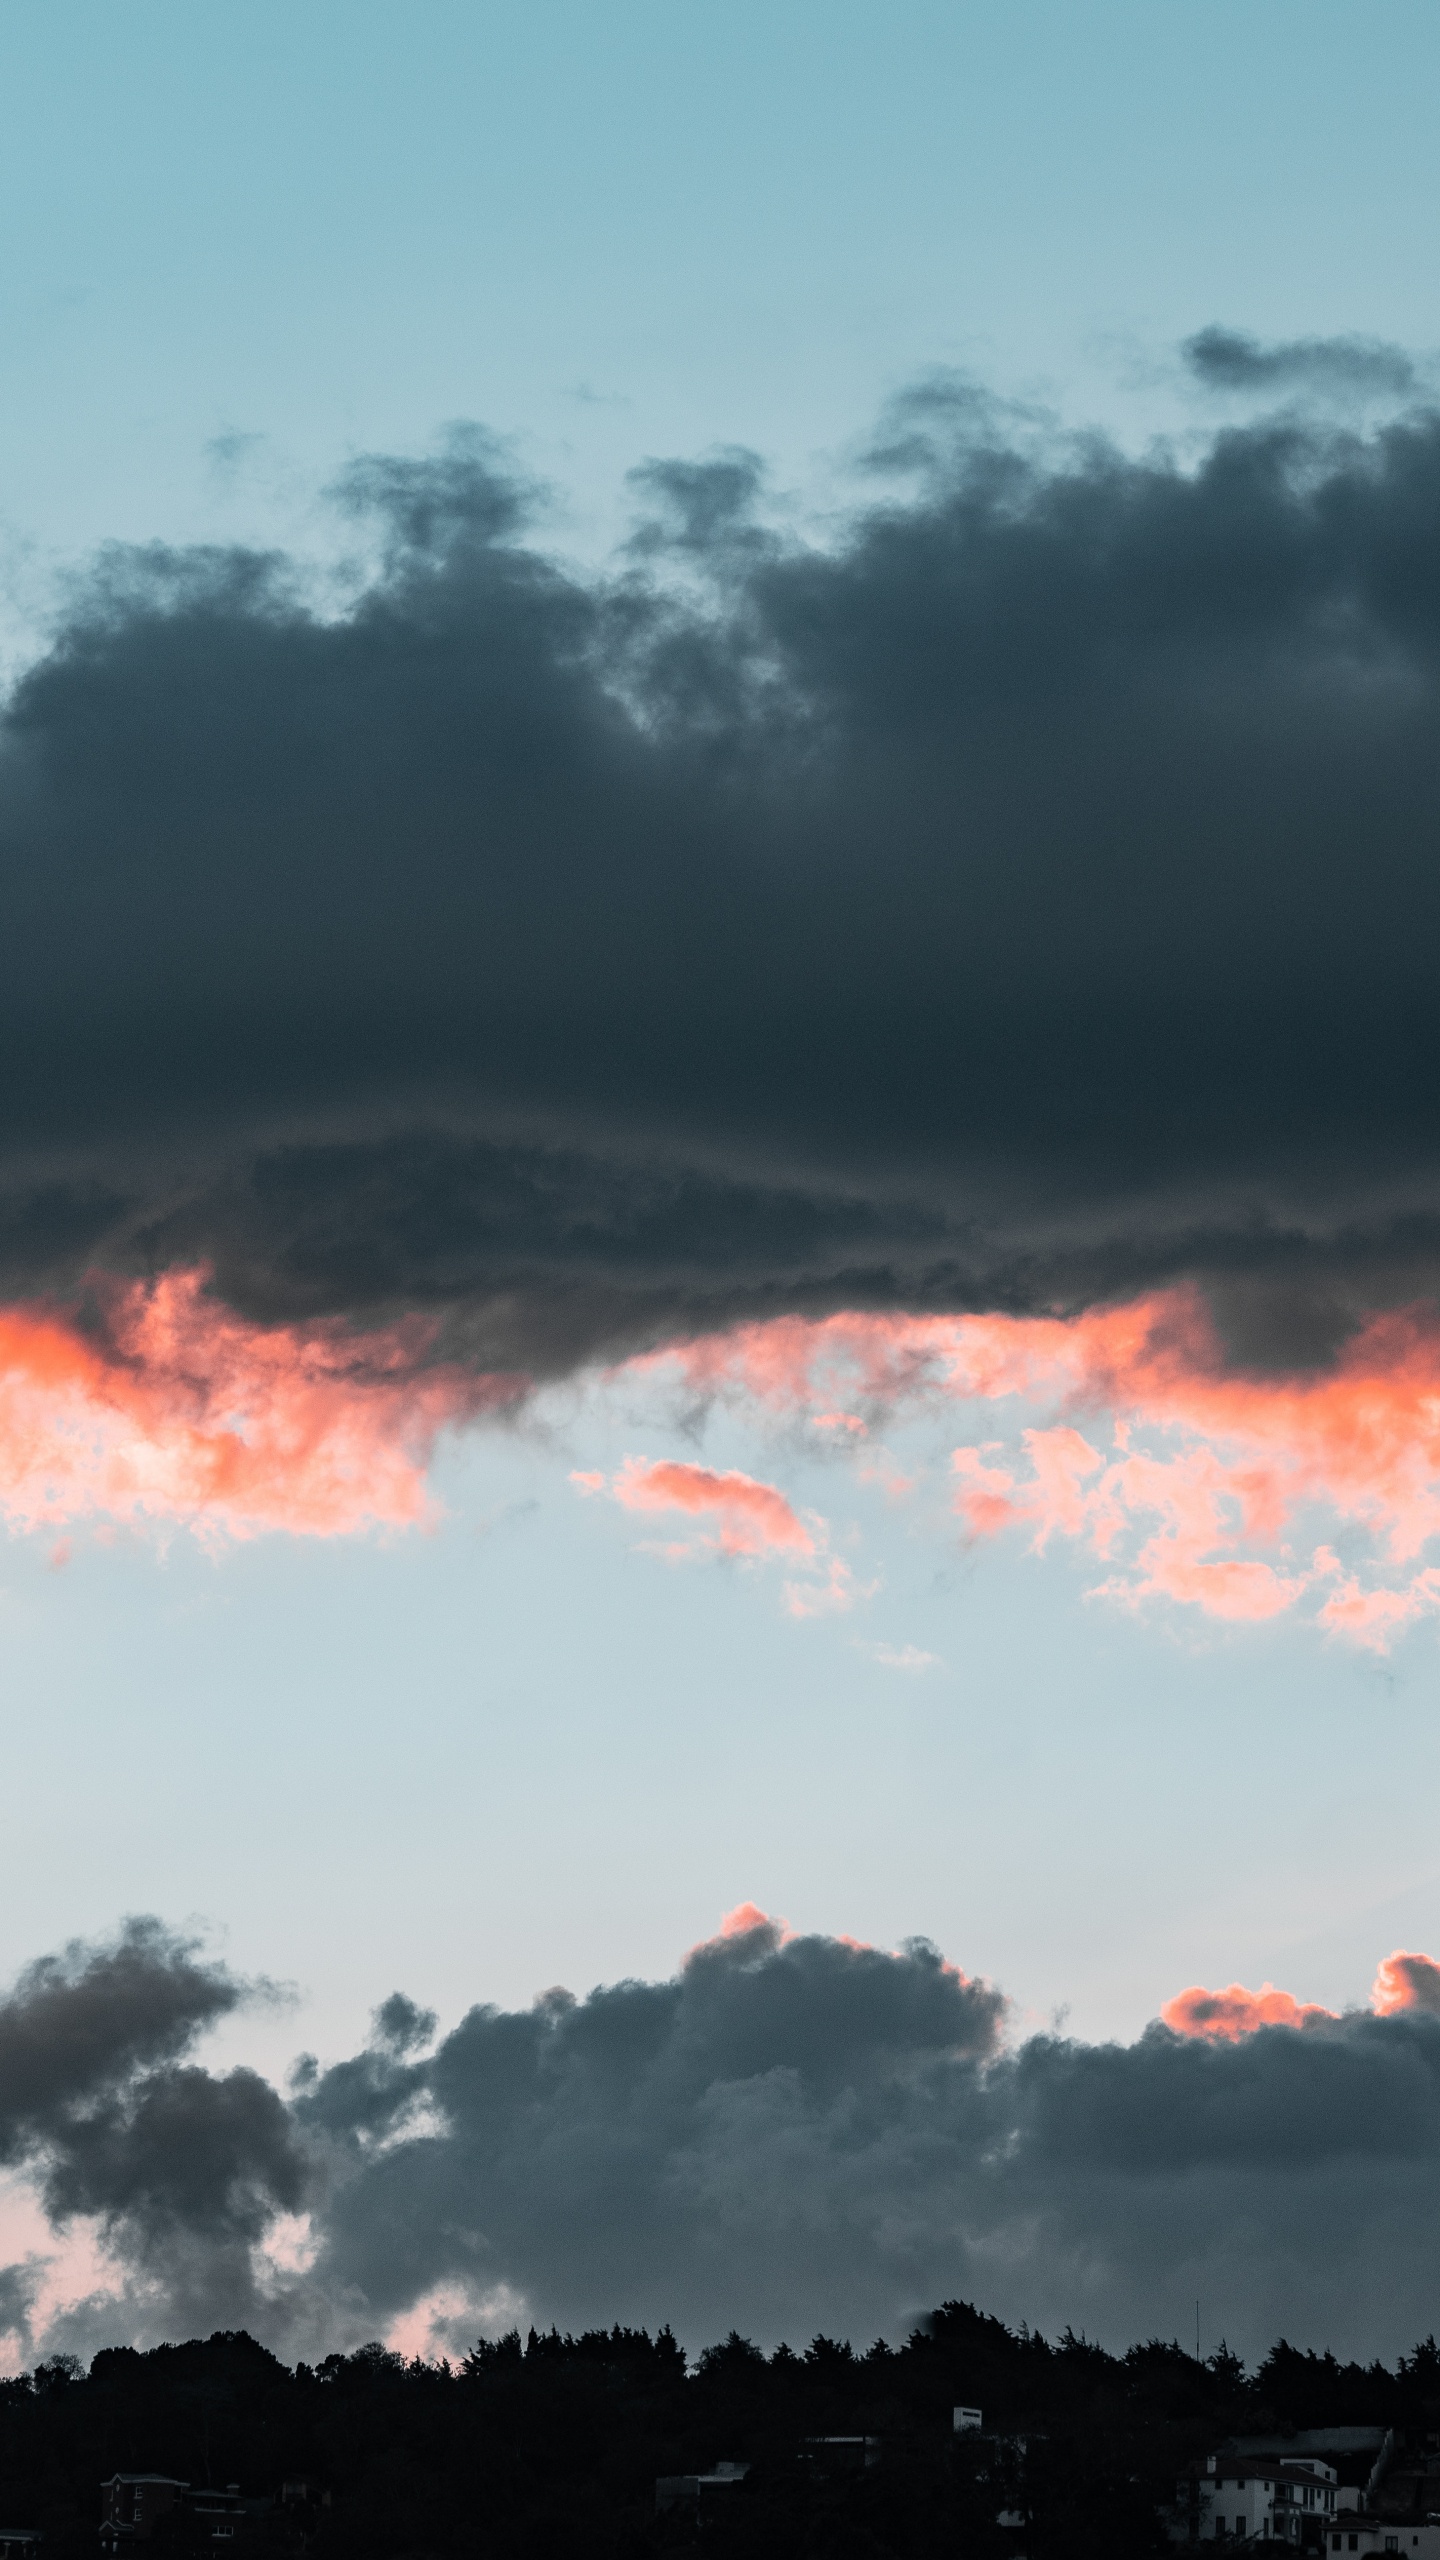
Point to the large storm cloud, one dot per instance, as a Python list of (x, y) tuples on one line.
[(1023, 894), (790, 2132)]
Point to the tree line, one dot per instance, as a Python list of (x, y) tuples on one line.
[(552, 2445)]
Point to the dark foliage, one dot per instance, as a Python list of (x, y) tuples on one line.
[(554, 2445)]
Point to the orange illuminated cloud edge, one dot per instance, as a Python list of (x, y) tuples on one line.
[(174, 1410), (1121, 1430), (1403, 1982), (1124, 1430)]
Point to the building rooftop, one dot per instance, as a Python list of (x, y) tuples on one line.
[(1249, 2466)]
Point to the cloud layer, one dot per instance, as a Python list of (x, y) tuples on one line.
[(792, 2131), (1126, 1430), (1018, 895)]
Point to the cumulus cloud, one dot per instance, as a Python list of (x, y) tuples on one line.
[(1014, 903), (1402, 1981), (793, 2129), (1019, 897), (176, 2171), (1225, 2016), (1406, 1981)]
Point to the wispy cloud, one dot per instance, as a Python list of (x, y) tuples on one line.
[(749, 1518), (899, 1657), (741, 1518), (1128, 1431)]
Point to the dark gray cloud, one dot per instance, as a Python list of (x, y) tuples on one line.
[(1025, 895), (180, 2171), (805, 2132), (790, 2133), (88, 2025)]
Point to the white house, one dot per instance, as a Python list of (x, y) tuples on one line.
[(1234, 2497), (1367, 2535)]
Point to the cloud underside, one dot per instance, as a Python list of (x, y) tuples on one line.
[(790, 2132), (1024, 896)]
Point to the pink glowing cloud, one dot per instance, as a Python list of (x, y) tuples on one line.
[(180, 1412), (743, 1518), (748, 1916), (424, 2332), (1223, 2017), (1403, 1982), (751, 1518), (746, 1921), (1406, 1981), (1121, 1432), (1191, 1482)]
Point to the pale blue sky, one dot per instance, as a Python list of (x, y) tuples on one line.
[(520, 1749), (479, 1761), (628, 229)]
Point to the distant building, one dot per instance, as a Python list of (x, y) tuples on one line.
[(134, 2502), (1292, 2447), (841, 2453), (1234, 2497), (1366, 2535), (18, 2541), (222, 2509), (696, 2488), (963, 2420)]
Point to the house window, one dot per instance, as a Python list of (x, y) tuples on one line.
[(1392, 2541)]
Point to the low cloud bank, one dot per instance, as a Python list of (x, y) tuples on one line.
[(793, 2132)]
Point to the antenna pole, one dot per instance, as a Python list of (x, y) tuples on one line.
[(1197, 2331)]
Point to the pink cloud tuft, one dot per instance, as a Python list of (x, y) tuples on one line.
[(1406, 1981), (179, 1411), (751, 1518), (1224, 2016), (1203, 1473), (1403, 1982)]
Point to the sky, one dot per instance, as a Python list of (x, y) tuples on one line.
[(719, 1230)]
